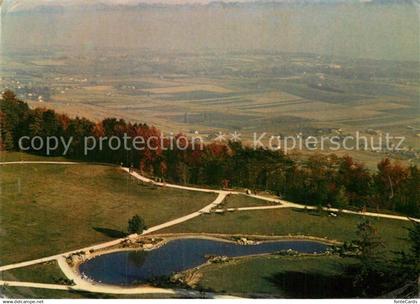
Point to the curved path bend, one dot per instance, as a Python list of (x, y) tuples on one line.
[(119, 290), (219, 199), (283, 203)]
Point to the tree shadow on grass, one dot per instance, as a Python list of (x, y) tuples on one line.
[(110, 232), (312, 285)]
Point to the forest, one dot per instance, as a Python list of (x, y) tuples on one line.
[(321, 180)]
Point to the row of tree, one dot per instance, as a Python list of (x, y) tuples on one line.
[(319, 180)]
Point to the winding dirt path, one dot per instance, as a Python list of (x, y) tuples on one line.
[(251, 208), (81, 284), (286, 204)]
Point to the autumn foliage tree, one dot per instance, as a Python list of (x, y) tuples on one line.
[(320, 180)]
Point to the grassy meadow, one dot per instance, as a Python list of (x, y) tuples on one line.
[(48, 273), (20, 156), (38, 293), (236, 201), (295, 222), (279, 276), (48, 209)]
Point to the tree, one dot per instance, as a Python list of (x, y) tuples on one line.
[(13, 115), (356, 180), (389, 183), (407, 266), (321, 179), (35, 123), (9, 95), (368, 242), (341, 200), (410, 195), (136, 225), (50, 124), (370, 273), (8, 143)]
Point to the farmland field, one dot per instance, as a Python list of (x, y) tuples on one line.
[(281, 94)]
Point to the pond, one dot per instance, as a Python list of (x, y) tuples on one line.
[(127, 267)]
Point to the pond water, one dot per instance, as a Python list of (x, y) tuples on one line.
[(127, 267)]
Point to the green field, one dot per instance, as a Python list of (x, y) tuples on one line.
[(48, 209), (37, 293), (19, 156), (235, 201), (48, 273), (293, 93), (243, 276), (278, 276), (294, 222)]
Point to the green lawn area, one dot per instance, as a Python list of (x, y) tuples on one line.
[(294, 222), (235, 201), (302, 276), (38, 293), (48, 209), (49, 273), (19, 156)]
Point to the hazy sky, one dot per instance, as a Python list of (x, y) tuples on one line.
[(19, 4), (372, 31), (14, 5)]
